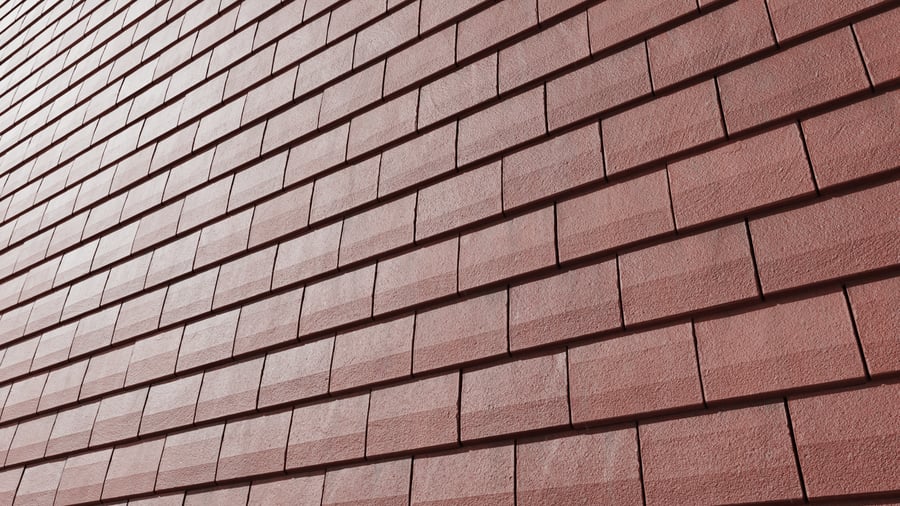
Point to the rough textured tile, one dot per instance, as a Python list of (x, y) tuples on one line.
[(562, 163), (321, 152), (329, 431), (458, 91), (616, 21), (384, 124), (717, 38), (30, 440), (207, 340), (337, 300), (517, 396), (880, 51), (514, 247), (742, 176), (244, 277), (118, 417), (229, 389), (878, 323), (386, 34), (82, 478), (269, 321), (53, 346), (372, 354), (418, 159), (63, 385), (795, 17), (415, 415), (435, 12), (856, 141), (685, 275), (291, 124), (831, 238), (106, 372), (469, 197), (472, 476), (9, 483), (283, 214), (224, 238), (419, 61), (565, 470), (296, 373), (570, 304), (617, 215), (300, 490), (38, 484), (132, 469), (846, 440), (381, 229), (171, 404), (154, 357), (511, 122), (225, 496), (662, 128), (424, 274), (96, 330), (313, 253), (649, 371), (461, 332), (352, 93), (686, 459), (786, 346), (801, 77), (189, 458), (536, 56), (382, 483), (493, 25), (254, 446)]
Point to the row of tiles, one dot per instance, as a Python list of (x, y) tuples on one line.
[(24, 22), (845, 443), (340, 181), (82, 109), (557, 35), (770, 159), (148, 188), (84, 46), (78, 52), (789, 346), (23, 197), (784, 19), (26, 38), (121, 202), (147, 50)]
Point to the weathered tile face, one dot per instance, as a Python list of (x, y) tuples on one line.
[(483, 475), (752, 443), (420, 414), (118, 417), (229, 389), (171, 404), (329, 431), (254, 446), (189, 458), (132, 469), (296, 373), (382, 483), (514, 397), (564, 470), (450, 253)]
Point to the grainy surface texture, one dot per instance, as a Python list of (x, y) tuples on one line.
[(449, 252)]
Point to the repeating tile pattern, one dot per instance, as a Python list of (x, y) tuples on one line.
[(449, 252)]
